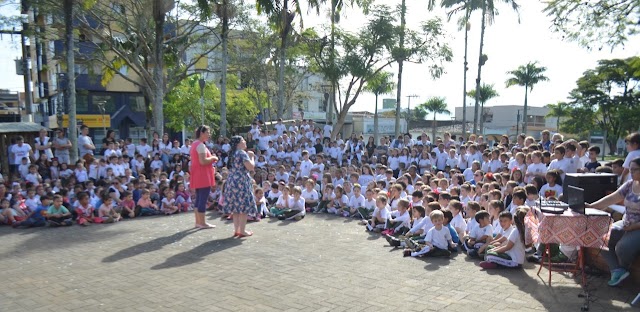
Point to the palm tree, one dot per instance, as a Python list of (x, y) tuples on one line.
[(489, 12), (281, 11), (527, 76), (379, 84), (456, 6), (487, 92), (558, 110), (435, 105)]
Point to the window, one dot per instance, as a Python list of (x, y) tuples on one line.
[(82, 103), (137, 104)]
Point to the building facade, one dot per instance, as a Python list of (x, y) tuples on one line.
[(509, 119)]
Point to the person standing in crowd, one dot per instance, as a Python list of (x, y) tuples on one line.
[(19, 151), (238, 188), (202, 174), (43, 145), (85, 145), (62, 145)]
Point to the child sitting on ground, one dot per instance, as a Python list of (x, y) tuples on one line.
[(169, 206), (296, 206), (369, 206), (511, 253), (399, 220), (380, 215), (84, 210), (480, 236), (37, 217), (418, 215), (145, 206), (356, 202), (128, 206), (106, 211), (437, 241), (282, 204), (57, 214)]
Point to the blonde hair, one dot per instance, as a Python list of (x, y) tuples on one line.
[(436, 215)]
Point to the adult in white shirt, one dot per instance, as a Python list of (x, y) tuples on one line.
[(21, 150), (280, 127), (85, 144), (43, 145), (144, 149), (327, 130)]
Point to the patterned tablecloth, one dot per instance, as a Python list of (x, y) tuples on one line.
[(569, 228)]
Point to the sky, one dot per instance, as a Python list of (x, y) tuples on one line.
[(507, 43)]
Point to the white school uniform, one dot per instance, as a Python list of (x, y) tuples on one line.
[(439, 238)]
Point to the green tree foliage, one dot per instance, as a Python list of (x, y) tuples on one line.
[(362, 55), (607, 98), (435, 105), (487, 92), (184, 101), (526, 76), (559, 110), (379, 84), (595, 24)]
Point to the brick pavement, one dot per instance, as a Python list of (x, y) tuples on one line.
[(322, 263)]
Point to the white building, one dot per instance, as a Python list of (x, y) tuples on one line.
[(508, 119)]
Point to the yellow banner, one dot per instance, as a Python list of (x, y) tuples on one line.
[(91, 121)]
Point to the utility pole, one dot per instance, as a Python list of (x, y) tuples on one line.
[(409, 109), (518, 123)]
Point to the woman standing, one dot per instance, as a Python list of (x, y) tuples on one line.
[(202, 174), (238, 188), (625, 234)]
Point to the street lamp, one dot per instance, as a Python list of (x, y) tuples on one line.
[(202, 83), (101, 105)]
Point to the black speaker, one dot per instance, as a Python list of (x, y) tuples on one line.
[(595, 185)]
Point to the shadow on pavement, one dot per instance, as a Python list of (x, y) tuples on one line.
[(149, 246), (560, 297), (198, 253)]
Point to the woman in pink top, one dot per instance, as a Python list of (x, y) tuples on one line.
[(202, 174)]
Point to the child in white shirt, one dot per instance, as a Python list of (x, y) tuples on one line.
[(480, 236), (356, 202), (399, 220), (437, 241), (510, 252), (380, 215)]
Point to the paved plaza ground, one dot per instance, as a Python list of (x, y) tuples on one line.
[(322, 263)]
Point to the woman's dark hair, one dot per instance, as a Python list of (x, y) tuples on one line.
[(235, 140), (201, 129), (633, 138), (636, 161)]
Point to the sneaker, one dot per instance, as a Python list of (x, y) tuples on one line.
[(393, 242), (617, 276), (406, 253), (345, 214), (281, 217), (488, 265), (53, 223), (534, 258), (421, 251), (369, 227), (530, 250), (411, 244), (473, 253)]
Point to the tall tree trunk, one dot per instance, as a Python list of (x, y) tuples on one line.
[(71, 80), (526, 92), (433, 137), (283, 46), (376, 132), (332, 61), (477, 104), (403, 22), (225, 61), (482, 118), (464, 84), (158, 67)]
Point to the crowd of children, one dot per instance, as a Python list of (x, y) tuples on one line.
[(429, 197)]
